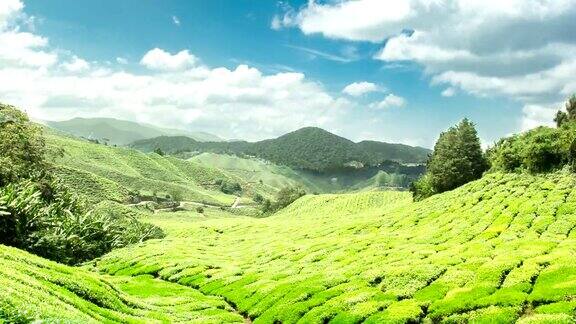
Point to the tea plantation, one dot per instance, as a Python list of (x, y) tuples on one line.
[(497, 250), (33, 288), (103, 172)]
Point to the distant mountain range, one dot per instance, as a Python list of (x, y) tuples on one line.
[(122, 132), (308, 148)]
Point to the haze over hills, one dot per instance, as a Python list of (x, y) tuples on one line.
[(308, 148), (122, 132)]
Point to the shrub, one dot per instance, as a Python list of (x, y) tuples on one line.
[(61, 228), (422, 188), (258, 198), (542, 149), (200, 210), (284, 197), (229, 187)]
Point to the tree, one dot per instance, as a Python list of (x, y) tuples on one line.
[(159, 151), (22, 147), (456, 160), (288, 195), (570, 114)]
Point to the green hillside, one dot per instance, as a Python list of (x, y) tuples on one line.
[(120, 132), (36, 289), (309, 148), (273, 177), (496, 250), (102, 172)]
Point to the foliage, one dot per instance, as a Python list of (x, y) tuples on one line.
[(22, 147), (542, 149), (229, 187), (457, 159), (159, 151), (422, 188), (284, 197), (563, 117), (61, 228), (38, 213)]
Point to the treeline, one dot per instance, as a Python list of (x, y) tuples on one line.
[(39, 214), (309, 148), (458, 158)]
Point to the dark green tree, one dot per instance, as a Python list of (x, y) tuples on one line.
[(288, 195), (22, 147), (159, 151), (456, 160), (562, 117)]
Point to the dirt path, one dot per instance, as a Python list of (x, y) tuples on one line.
[(236, 203)]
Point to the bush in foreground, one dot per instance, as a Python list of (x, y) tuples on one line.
[(39, 214)]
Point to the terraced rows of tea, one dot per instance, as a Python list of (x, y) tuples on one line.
[(32, 288), (497, 250), (102, 172)]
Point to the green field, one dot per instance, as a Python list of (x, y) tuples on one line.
[(496, 250), (103, 172), (34, 288)]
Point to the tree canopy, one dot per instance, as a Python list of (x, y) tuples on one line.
[(456, 160)]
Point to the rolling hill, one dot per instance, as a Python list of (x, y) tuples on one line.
[(121, 132), (497, 250), (309, 148), (100, 172)]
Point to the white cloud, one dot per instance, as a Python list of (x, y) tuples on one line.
[(76, 65), (121, 60), (357, 89), (449, 92), (276, 23), (8, 10), (523, 50), (176, 20), (158, 59), (391, 100), (536, 115)]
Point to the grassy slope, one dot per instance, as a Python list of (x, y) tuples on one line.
[(253, 170), (496, 250), (109, 173), (33, 288)]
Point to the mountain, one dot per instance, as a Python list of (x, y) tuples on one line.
[(379, 151), (121, 132), (308, 148)]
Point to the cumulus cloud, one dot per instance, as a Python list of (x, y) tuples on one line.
[(180, 92), (523, 50), (357, 89), (76, 65), (159, 59), (390, 101)]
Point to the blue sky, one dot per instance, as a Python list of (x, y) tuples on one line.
[(311, 44)]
